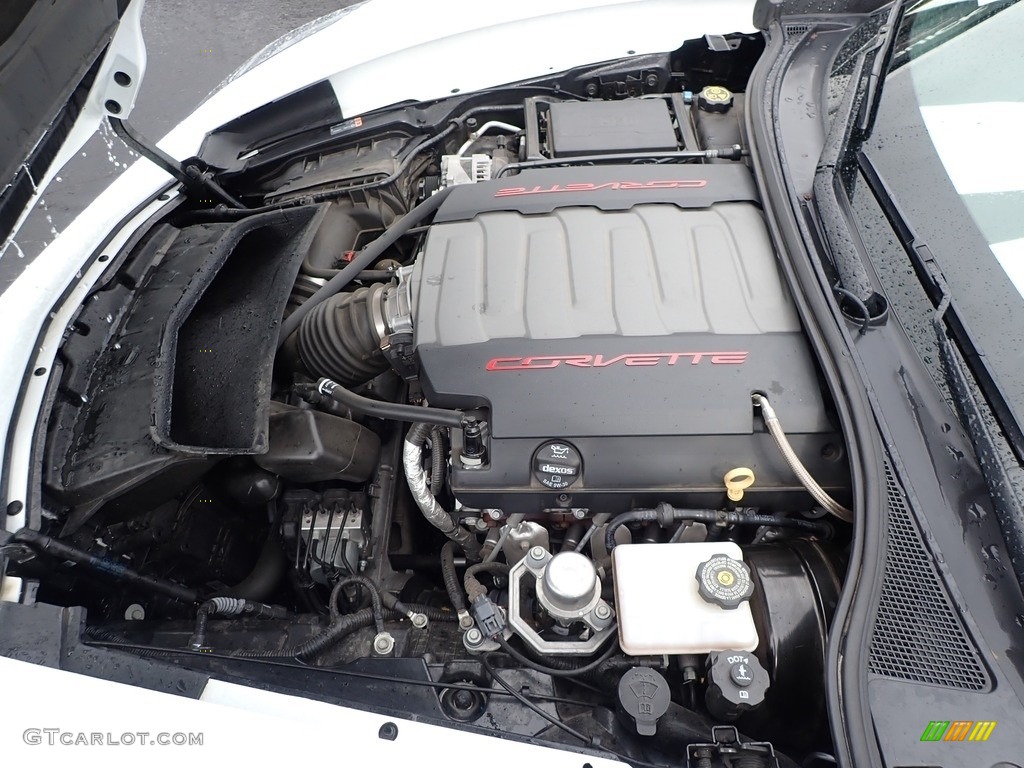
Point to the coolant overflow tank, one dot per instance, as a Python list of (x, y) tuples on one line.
[(683, 598)]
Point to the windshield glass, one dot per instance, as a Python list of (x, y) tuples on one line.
[(946, 143)]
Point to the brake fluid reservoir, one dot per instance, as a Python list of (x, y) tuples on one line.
[(683, 598)]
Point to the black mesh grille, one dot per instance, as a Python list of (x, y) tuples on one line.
[(918, 635), (796, 29)]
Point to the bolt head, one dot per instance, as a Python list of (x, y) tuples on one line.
[(474, 636), (419, 620), (383, 643), (602, 611), (537, 553), (579, 514)]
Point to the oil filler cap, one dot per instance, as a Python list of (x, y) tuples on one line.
[(557, 465), (724, 581)]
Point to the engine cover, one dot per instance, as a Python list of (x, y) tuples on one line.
[(614, 321)]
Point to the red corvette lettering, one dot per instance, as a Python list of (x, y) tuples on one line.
[(632, 359), (616, 185)]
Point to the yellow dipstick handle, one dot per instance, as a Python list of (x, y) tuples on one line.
[(737, 481)]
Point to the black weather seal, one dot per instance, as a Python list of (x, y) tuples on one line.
[(793, 232), (188, 173)]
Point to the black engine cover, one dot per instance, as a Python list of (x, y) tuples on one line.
[(629, 313)]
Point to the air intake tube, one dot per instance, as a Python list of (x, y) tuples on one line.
[(344, 337), (340, 338)]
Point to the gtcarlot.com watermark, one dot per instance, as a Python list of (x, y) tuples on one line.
[(57, 737)]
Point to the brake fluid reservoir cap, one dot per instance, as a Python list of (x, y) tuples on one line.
[(724, 581)]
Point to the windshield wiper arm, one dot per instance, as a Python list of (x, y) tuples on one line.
[(874, 78)]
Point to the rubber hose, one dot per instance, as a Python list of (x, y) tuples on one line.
[(665, 514), (340, 338), (264, 576), (379, 409), (104, 566), (363, 259), (438, 460), (451, 578)]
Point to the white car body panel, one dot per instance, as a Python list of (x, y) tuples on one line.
[(236, 722)]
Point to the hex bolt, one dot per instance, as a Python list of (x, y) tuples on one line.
[(579, 513), (602, 611), (419, 620), (537, 553), (383, 643), (474, 636)]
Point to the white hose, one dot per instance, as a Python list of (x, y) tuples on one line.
[(775, 428)]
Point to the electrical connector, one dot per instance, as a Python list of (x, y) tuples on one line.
[(488, 616)]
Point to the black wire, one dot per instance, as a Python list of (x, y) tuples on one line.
[(526, 661), (533, 707), (336, 671), (587, 740)]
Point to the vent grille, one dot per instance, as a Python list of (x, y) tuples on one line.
[(918, 635), (797, 29)]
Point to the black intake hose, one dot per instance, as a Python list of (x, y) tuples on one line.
[(104, 566), (665, 514), (340, 338), (363, 259)]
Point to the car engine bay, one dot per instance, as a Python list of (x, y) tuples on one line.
[(506, 390)]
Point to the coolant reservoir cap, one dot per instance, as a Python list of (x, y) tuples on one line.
[(714, 98), (724, 581)]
